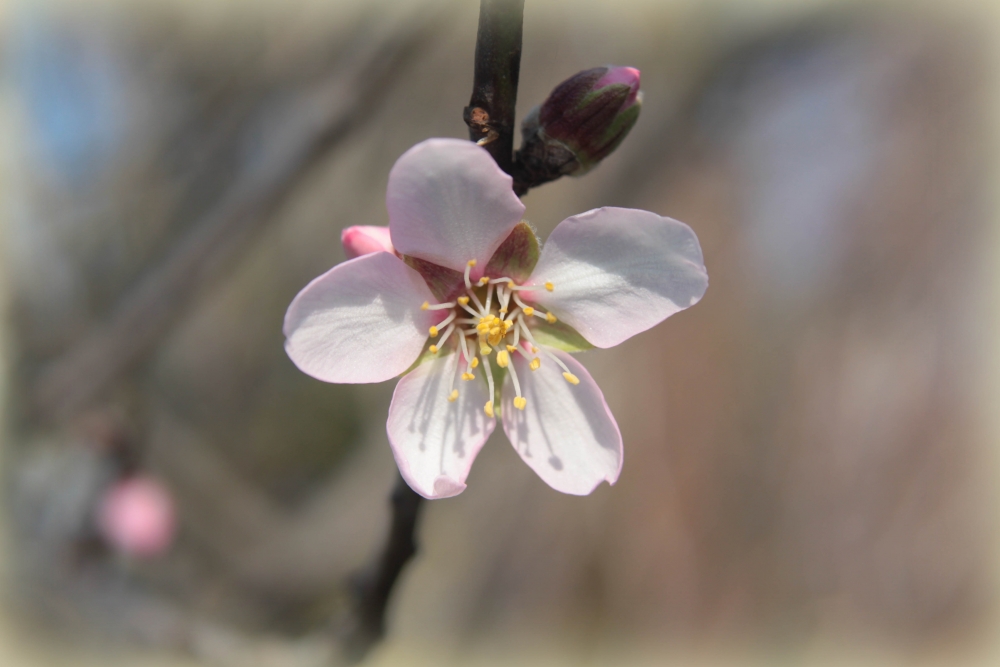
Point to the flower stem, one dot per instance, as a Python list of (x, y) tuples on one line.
[(490, 114)]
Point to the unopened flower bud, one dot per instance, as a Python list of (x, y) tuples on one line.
[(365, 239), (581, 122)]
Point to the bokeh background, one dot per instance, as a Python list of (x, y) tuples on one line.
[(811, 452)]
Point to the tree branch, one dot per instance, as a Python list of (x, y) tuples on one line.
[(490, 117), (490, 114), (373, 588)]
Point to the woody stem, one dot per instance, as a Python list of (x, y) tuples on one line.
[(490, 114)]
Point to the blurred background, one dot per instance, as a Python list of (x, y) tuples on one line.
[(811, 458)]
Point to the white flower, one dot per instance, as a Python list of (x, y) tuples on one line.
[(463, 289)]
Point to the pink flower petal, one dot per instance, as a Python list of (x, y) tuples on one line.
[(566, 433), (360, 321), (433, 439), (364, 239), (449, 202), (617, 272), (137, 517)]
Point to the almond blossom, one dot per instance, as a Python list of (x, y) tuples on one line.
[(459, 298)]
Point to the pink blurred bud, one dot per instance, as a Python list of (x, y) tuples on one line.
[(364, 239), (137, 517)]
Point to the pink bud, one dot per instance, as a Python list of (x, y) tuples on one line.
[(137, 517), (585, 118), (364, 239), (627, 75)]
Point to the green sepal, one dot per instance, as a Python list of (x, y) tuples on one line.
[(560, 336), (517, 255)]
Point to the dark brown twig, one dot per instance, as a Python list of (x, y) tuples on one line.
[(490, 117), (490, 114), (372, 589)]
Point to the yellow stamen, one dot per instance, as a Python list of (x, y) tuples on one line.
[(433, 349), (572, 379), (485, 351), (549, 286), (425, 305), (433, 331), (488, 409), (468, 376), (474, 362), (550, 318), (464, 300), (484, 280), (503, 311), (520, 402), (529, 311), (453, 396), (503, 358), (534, 350), (471, 262), (535, 363), (511, 349)]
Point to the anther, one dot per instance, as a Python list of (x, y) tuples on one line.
[(549, 286), (572, 379), (433, 331), (520, 402), (468, 376), (453, 396), (503, 358), (474, 362), (433, 349), (550, 318), (471, 263), (529, 311), (535, 363), (511, 349), (426, 305), (488, 409), (484, 280), (463, 300)]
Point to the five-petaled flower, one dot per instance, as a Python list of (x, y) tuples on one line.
[(459, 298)]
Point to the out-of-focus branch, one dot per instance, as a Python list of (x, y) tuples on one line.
[(308, 129), (373, 587), (490, 114)]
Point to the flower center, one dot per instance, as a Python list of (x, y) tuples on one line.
[(491, 319)]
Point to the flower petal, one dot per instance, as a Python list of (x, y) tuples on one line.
[(566, 432), (618, 271), (433, 439), (363, 239), (449, 202), (360, 321)]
